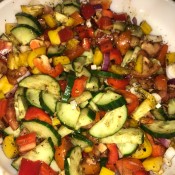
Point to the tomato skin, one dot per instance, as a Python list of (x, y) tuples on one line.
[(87, 11), (63, 84), (118, 83), (161, 83), (113, 153), (29, 167), (79, 86), (3, 107), (162, 54), (116, 56), (106, 46), (120, 16), (26, 142), (65, 34), (86, 43), (61, 151), (104, 23), (37, 113), (123, 43), (131, 99), (129, 166)]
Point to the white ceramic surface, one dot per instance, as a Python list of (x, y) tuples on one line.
[(159, 13)]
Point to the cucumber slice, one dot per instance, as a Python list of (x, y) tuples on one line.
[(80, 140), (127, 149), (104, 74), (86, 117), (43, 152), (42, 82), (93, 84), (32, 96), (10, 131), (69, 9), (159, 114), (72, 162), (24, 18), (110, 123), (64, 131), (108, 100), (160, 129), (42, 129), (48, 102), (55, 50), (67, 114), (28, 33), (128, 135), (21, 104)]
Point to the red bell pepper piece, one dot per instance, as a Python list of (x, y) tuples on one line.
[(87, 11), (113, 153), (162, 54), (118, 83), (37, 113), (45, 169), (29, 167), (66, 34), (116, 56), (63, 84), (79, 86), (120, 16), (3, 107), (26, 142)]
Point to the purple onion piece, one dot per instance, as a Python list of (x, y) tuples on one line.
[(164, 142), (97, 6), (106, 61), (134, 20), (171, 81)]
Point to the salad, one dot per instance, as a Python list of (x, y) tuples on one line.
[(86, 91)]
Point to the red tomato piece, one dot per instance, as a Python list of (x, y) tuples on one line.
[(86, 43), (116, 56), (107, 12), (129, 166), (106, 46), (120, 16), (63, 84), (26, 142), (45, 169), (161, 82), (29, 167), (105, 23), (123, 43), (3, 107), (79, 86), (118, 83), (87, 11), (66, 34), (75, 52), (131, 99), (113, 153), (37, 113)]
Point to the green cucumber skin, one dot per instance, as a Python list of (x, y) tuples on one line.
[(159, 129)]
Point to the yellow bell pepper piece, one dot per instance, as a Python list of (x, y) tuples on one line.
[(106, 171), (5, 86), (35, 70), (55, 121), (23, 58), (153, 164), (72, 44), (70, 22), (170, 57), (61, 59), (98, 57), (54, 36), (50, 20), (88, 149), (139, 64), (119, 70), (34, 54), (13, 61), (9, 147), (144, 150), (146, 28), (9, 27), (2, 95)]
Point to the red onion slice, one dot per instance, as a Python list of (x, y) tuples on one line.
[(106, 61)]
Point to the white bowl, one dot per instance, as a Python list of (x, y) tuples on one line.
[(160, 14)]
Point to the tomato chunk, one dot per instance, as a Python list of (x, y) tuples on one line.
[(66, 34), (45, 169), (87, 11), (116, 56), (3, 108)]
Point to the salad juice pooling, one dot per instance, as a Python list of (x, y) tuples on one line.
[(85, 91)]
